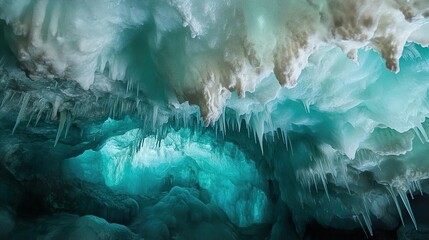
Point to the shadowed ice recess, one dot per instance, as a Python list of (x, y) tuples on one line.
[(229, 119)]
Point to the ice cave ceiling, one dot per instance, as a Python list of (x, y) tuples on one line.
[(226, 119)]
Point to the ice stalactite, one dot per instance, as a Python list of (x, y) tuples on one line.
[(407, 205), (22, 110), (55, 106), (6, 97), (299, 101), (231, 52), (63, 119), (69, 122), (357, 218)]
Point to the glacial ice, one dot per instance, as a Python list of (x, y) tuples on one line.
[(229, 179), (221, 119), (222, 47)]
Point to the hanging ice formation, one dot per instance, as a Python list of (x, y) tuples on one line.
[(280, 113)]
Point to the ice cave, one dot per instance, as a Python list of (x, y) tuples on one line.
[(214, 119)]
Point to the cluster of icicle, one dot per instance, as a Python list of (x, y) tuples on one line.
[(202, 51), (33, 108)]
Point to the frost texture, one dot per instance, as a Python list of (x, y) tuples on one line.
[(218, 47), (256, 110)]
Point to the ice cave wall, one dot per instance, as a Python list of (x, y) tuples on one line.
[(343, 144), (218, 47)]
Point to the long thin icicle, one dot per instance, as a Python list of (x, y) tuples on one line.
[(368, 223), (55, 107), (390, 189), (5, 98), (423, 133), (63, 117), (325, 186), (404, 198), (356, 217), (21, 113), (39, 115), (69, 122)]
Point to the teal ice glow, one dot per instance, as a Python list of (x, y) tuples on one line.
[(318, 108), (186, 159), (334, 128)]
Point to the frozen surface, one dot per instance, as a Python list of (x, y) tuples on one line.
[(219, 47), (215, 117), (223, 174), (67, 226), (182, 214)]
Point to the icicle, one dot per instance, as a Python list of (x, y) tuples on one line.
[(290, 145), (344, 169), (411, 193), (21, 111), (325, 186), (69, 122), (31, 116), (154, 117), (247, 124), (314, 181), (220, 126), (21, 98), (423, 132), (238, 121), (185, 119), (419, 187), (306, 104), (258, 128), (138, 90), (367, 218), (285, 139), (55, 107), (63, 117), (360, 223), (390, 189), (115, 107), (13, 95), (39, 115), (261, 142), (255, 138), (121, 109), (277, 134), (404, 198), (5, 98), (368, 223)]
